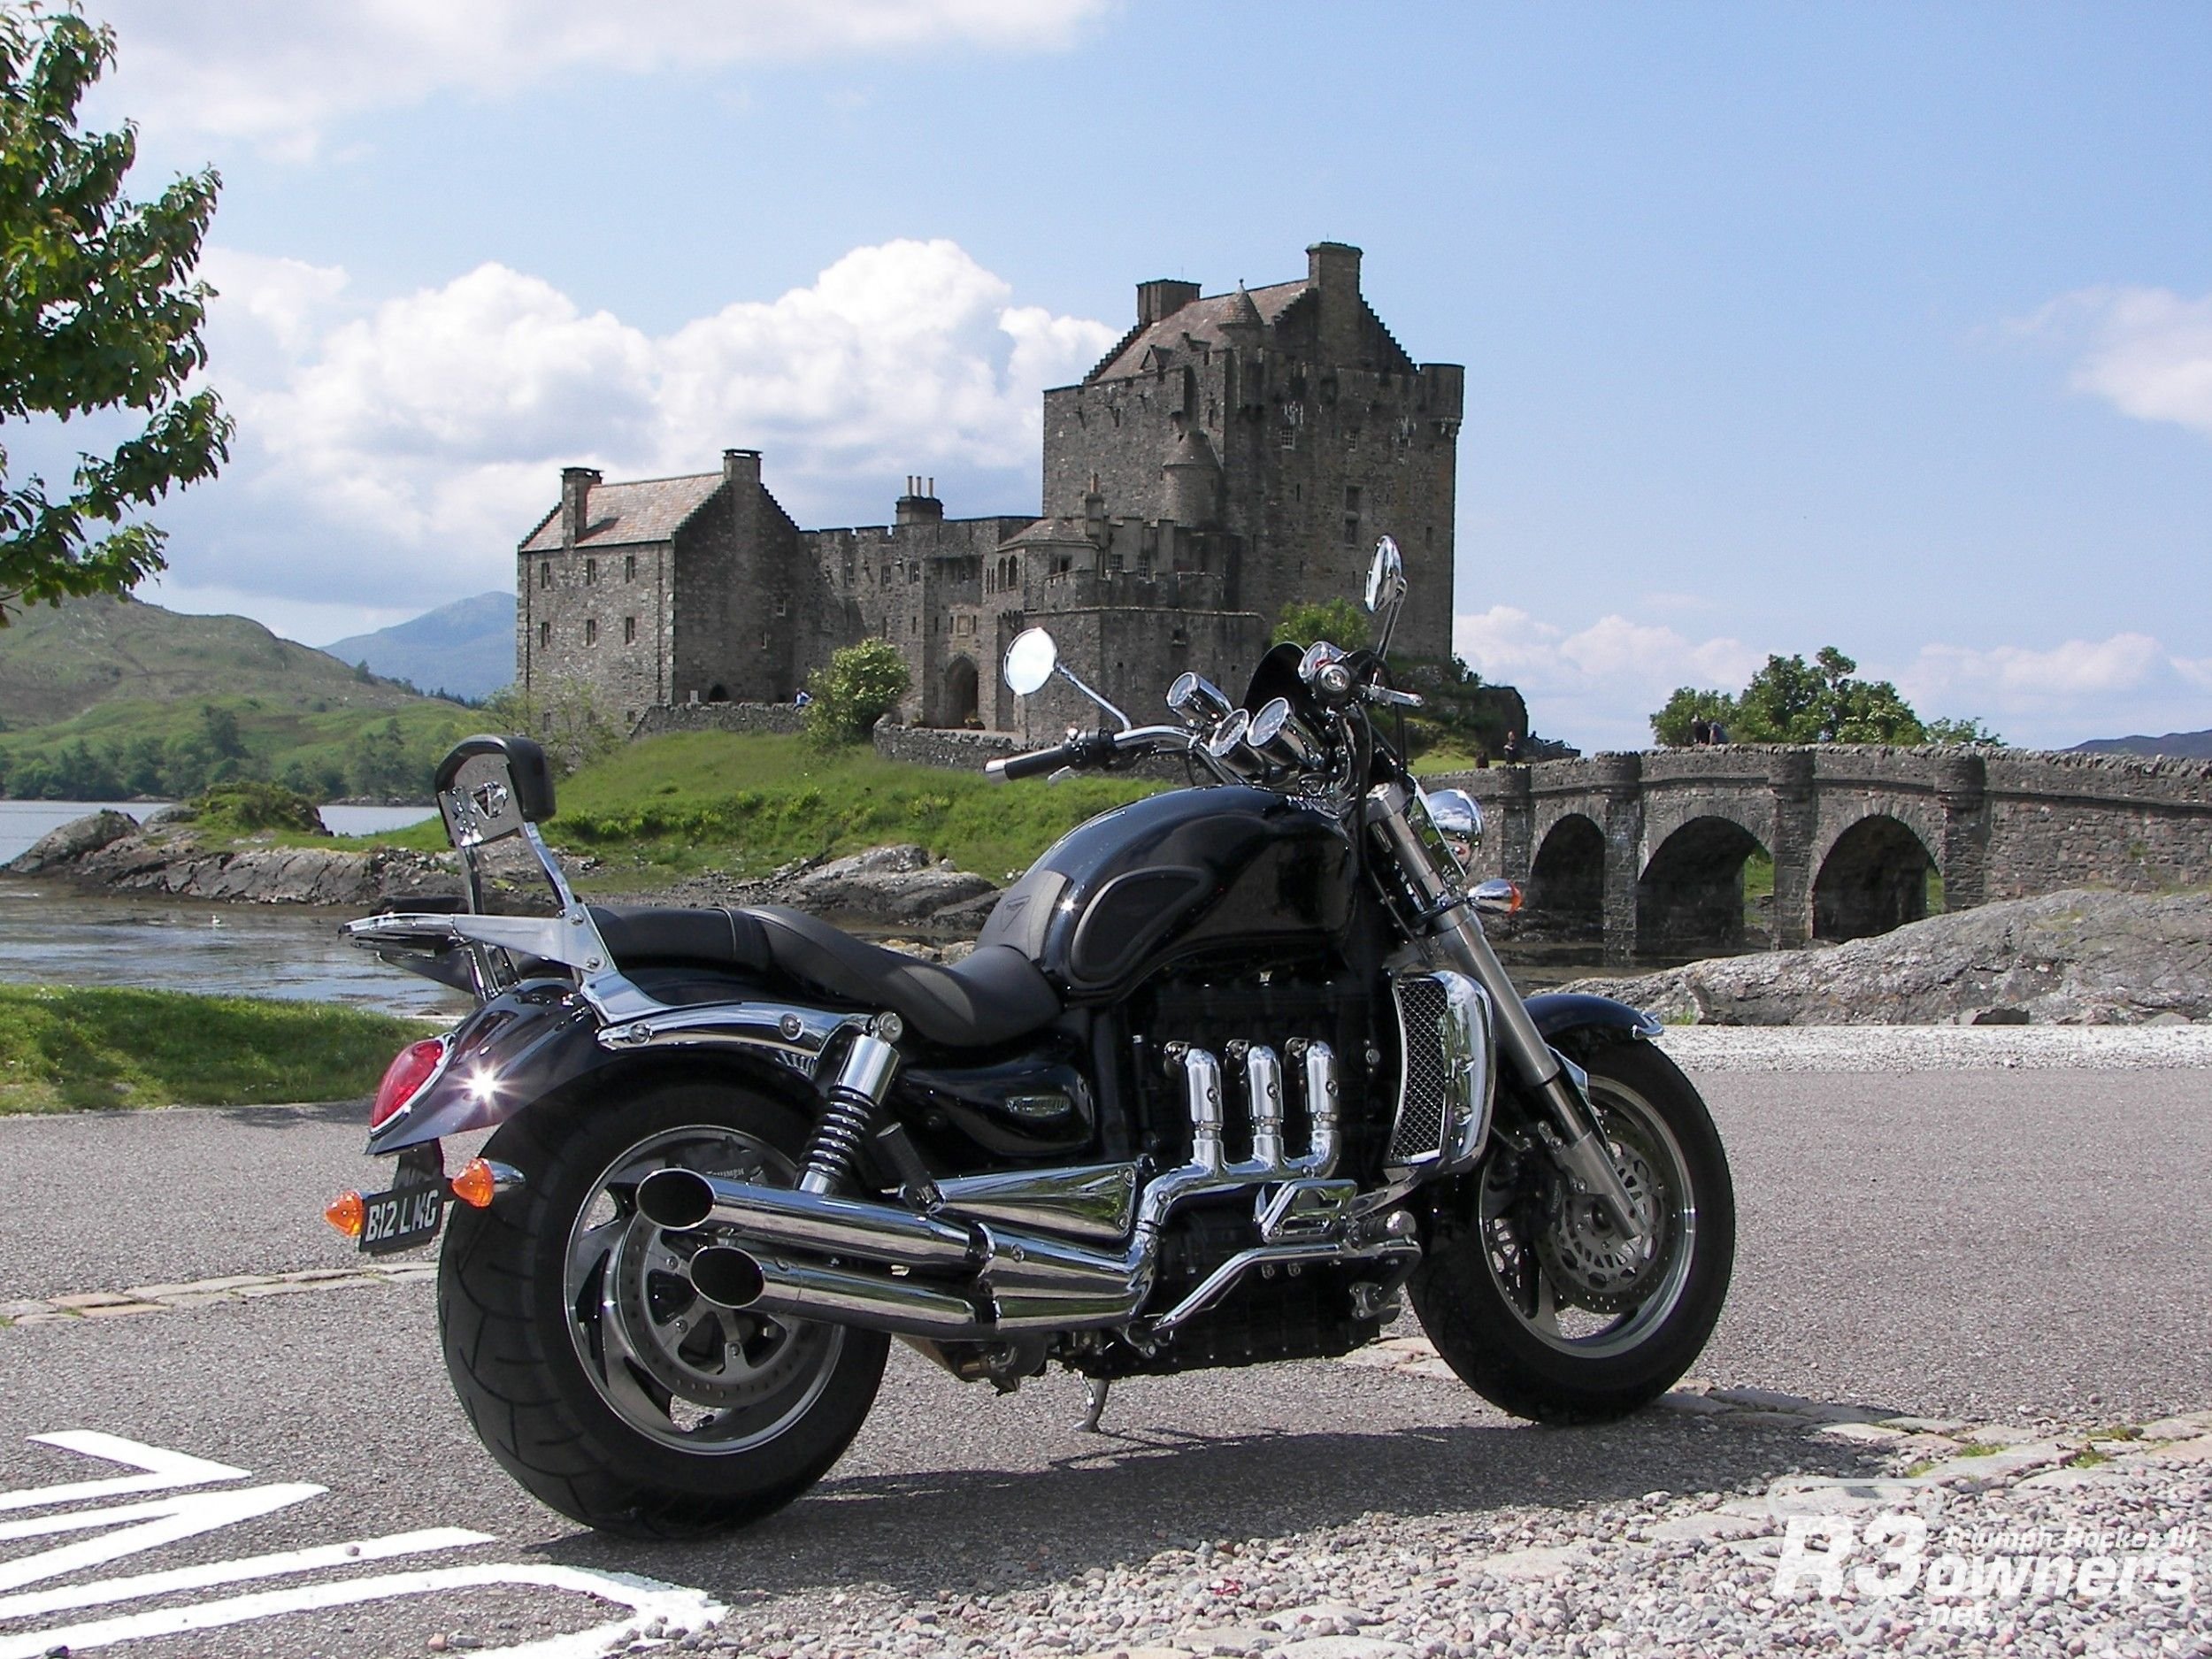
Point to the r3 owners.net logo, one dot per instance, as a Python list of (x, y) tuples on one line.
[(1893, 1554)]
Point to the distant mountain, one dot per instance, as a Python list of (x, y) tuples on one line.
[(465, 649), (2183, 745), (57, 663)]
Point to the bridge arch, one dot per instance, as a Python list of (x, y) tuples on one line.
[(1566, 878), (1691, 892), (1872, 877)]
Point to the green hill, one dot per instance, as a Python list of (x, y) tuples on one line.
[(106, 699), (57, 662)]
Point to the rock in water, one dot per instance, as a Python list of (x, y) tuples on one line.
[(71, 842), (2075, 957)]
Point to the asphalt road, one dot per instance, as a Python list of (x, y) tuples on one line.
[(1959, 1242)]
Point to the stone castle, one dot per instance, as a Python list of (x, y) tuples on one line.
[(1230, 455)]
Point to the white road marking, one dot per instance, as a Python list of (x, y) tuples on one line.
[(221, 1572), (645, 1600), (164, 1469), (162, 1521), (184, 1514)]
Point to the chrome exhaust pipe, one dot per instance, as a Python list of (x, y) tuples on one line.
[(680, 1200), (735, 1279)]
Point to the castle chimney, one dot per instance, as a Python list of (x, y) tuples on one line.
[(1333, 270), (576, 482), (740, 469), (919, 505), (1162, 297), (1094, 513)]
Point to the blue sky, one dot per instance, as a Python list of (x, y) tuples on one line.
[(1883, 326)]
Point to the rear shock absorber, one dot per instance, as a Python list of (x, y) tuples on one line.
[(849, 1103)]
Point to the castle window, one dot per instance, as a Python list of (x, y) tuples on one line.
[(591, 572), (591, 631), (783, 605), (1351, 529), (629, 630), (545, 636), (916, 625), (629, 567), (1351, 498), (545, 572), (914, 571)]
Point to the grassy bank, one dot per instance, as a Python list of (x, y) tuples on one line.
[(67, 1048), (671, 806)]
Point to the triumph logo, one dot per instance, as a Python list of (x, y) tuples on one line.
[(1962, 1569)]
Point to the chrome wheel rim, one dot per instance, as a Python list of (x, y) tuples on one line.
[(1575, 1284), (669, 1363)]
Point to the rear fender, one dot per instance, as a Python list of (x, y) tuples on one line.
[(517, 1049), (538, 1040)]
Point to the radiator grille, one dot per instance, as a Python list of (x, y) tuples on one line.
[(1425, 1093)]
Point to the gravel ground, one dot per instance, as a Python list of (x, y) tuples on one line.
[(1937, 1048), (1687, 1573)]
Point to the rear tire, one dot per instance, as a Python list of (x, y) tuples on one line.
[(586, 1365), (1538, 1305)]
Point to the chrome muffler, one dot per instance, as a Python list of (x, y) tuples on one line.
[(732, 1277), (948, 1277)]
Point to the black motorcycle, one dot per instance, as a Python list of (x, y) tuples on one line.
[(1230, 1071)]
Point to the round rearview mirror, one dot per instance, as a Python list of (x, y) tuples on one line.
[(1385, 577), (1029, 661)]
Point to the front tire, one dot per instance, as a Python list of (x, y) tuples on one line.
[(586, 1365), (1545, 1311)]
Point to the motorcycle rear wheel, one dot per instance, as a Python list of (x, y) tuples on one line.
[(586, 1363), (1542, 1309)]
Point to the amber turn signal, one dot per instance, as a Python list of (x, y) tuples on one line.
[(344, 1212), (476, 1186), (1495, 897)]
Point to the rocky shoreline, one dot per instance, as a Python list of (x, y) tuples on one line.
[(899, 888), (2079, 957)]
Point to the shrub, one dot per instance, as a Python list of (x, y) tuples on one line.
[(238, 809), (862, 684)]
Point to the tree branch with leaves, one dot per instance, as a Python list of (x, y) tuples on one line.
[(98, 311)]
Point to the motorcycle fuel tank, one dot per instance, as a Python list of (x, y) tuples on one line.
[(1160, 876)]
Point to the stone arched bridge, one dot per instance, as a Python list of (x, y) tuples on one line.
[(1652, 848)]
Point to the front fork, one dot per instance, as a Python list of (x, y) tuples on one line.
[(1439, 890)]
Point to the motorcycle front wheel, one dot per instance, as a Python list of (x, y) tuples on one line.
[(589, 1366), (1534, 1300)]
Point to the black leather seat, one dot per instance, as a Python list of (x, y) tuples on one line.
[(993, 996), (638, 935)]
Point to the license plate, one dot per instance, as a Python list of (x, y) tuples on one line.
[(410, 1213)]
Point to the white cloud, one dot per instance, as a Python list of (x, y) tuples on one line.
[(2078, 668), (1598, 686), (281, 72), (417, 438), (2145, 352)]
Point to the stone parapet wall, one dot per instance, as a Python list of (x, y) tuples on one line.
[(955, 750), (1849, 827), (781, 718)]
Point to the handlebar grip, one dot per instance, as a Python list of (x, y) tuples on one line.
[(1013, 767)]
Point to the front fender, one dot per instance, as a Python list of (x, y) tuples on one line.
[(516, 1049), (1564, 1016)]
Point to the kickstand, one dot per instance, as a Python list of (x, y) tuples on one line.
[(1094, 1404)]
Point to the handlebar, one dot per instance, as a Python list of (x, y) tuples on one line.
[(1086, 748), (1009, 768)]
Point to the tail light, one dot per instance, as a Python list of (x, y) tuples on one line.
[(411, 1069)]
